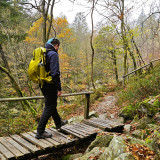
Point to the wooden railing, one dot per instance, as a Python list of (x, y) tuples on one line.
[(138, 69), (86, 108)]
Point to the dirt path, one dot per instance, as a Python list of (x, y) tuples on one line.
[(107, 106)]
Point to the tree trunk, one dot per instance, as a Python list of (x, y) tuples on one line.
[(24, 103), (115, 65), (91, 43)]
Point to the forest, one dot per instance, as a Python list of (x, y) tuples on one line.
[(93, 57)]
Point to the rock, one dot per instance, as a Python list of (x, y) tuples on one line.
[(125, 156), (112, 116), (100, 141), (116, 147), (149, 106), (143, 122), (95, 152), (93, 114), (157, 118), (138, 134), (72, 157), (133, 140), (127, 128), (103, 116), (75, 119), (119, 120), (127, 112)]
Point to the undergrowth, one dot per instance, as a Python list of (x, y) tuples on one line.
[(140, 87)]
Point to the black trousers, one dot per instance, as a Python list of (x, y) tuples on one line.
[(50, 94)]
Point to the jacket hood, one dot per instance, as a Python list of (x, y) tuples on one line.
[(50, 46)]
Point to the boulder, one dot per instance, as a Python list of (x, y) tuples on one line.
[(100, 141), (116, 147), (142, 123), (93, 114), (125, 156), (127, 128), (103, 116), (72, 157), (94, 153), (138, 134), (75, 119)]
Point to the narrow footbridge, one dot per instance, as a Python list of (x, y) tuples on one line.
[(26, 146)]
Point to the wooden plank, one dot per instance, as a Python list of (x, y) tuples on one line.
[(105, 125), (54, 137), (81, 130), (10, 147), (66, 136), (87, 129), (55, 143), (25, 144), (75, 130), (2, 157), (71, 132), (42, 140), (69, 127), (19, 147), (35, 141), (112, 124), (65, 139), (93, 124), (6, 152), (89, 126)]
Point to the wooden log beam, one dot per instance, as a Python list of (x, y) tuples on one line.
[(41, 97)]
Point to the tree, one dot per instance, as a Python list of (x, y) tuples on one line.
[(9, 34)]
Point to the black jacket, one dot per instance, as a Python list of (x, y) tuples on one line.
[(52, 65)]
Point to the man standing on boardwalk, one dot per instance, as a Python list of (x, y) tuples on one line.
[(51, 90)]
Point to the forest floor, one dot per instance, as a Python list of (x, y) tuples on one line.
[(107, 106)]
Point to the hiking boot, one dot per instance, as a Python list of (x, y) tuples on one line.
[(64, 122), (43, 135)]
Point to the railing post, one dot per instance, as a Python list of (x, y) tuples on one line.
[(86, 109)]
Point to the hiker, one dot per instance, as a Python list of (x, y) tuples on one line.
[(51, 90)]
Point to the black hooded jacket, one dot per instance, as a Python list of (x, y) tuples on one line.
[(52, 65)]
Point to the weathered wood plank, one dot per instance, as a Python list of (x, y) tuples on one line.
[(11, 148), (87, 129), (19, 147), (73, 130), (105, 125), (66, 136), (2, 157), (65, 139), (35, 141), (55, 143), (26, 144), (64, 129), (42, 140), (88, 122), (80, 130), (89, 126), (6, 152), (54, 137)]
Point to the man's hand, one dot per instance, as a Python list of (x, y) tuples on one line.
[(59, 93)]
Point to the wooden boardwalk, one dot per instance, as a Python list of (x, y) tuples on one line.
[(26, 146)]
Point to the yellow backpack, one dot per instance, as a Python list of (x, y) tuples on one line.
[(36, 69)]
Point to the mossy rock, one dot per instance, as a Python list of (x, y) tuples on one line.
[(116, 147), (150, 106), (143, 122), (125, 156), (72, 157), (100, 141), (128, 112)]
